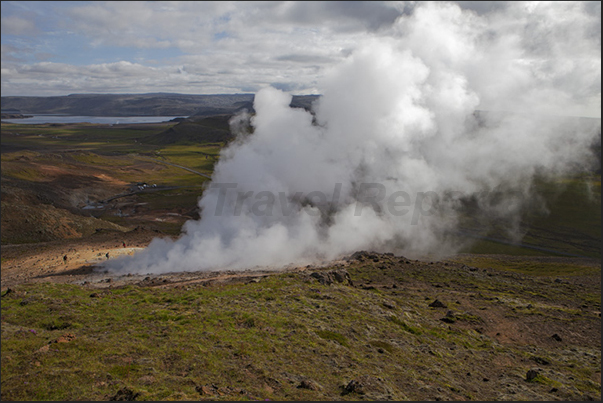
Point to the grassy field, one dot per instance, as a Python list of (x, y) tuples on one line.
[(106, 148), (567, 221), (289, 337)]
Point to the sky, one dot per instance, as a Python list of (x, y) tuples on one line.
[(52, 48)]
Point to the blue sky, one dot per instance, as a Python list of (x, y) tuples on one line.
[(59, 48)]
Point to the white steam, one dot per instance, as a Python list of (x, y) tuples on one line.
[(398, 119)]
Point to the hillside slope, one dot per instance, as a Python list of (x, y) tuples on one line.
[(213, 129), (370, 327), (155, 104)]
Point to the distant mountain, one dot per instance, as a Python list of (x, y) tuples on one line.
[(158, 104), (154, 104)]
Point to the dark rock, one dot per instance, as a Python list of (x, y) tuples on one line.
[(360, 255), (531, 374), (354, 386), (449, 318), (309, 384), (203, 390), (369, 387), (27, 301), (438, 304), (323, 278), (340, 275), (332, 276), (541, 361), (556, 337), (125, 394)]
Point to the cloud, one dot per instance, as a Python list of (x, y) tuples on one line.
[(112, 77), (149, 24), (14, 25), (337, 16), (232, 46)]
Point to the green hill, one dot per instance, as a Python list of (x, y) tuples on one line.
[(213, 129)]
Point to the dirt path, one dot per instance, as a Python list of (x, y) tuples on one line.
[(44, 262)]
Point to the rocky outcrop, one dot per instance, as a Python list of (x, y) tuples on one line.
[(332, 276)]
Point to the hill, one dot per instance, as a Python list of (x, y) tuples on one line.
[(195, 130), (209, 126), (154, 104), (369, 327)]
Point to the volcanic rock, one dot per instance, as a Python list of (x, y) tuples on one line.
[(438, 304)]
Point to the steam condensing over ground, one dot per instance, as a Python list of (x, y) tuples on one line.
[(446, 106)]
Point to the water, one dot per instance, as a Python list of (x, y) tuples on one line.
[(109, 120)]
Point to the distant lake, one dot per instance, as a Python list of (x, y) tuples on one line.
[(108, 120)]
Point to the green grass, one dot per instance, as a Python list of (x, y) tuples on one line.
[(183, 336), (334, 336), (406, 327), (171, 199), (100, 139), (97, 160), (258, 339), (570, 224), (525, 266), (198, 157)]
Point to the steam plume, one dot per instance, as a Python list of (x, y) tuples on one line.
[(398, 118)]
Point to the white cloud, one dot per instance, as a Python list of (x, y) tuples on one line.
[(240, 46)]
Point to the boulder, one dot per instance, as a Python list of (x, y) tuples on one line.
[(438, 304), (332, 276), (309, 384)]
